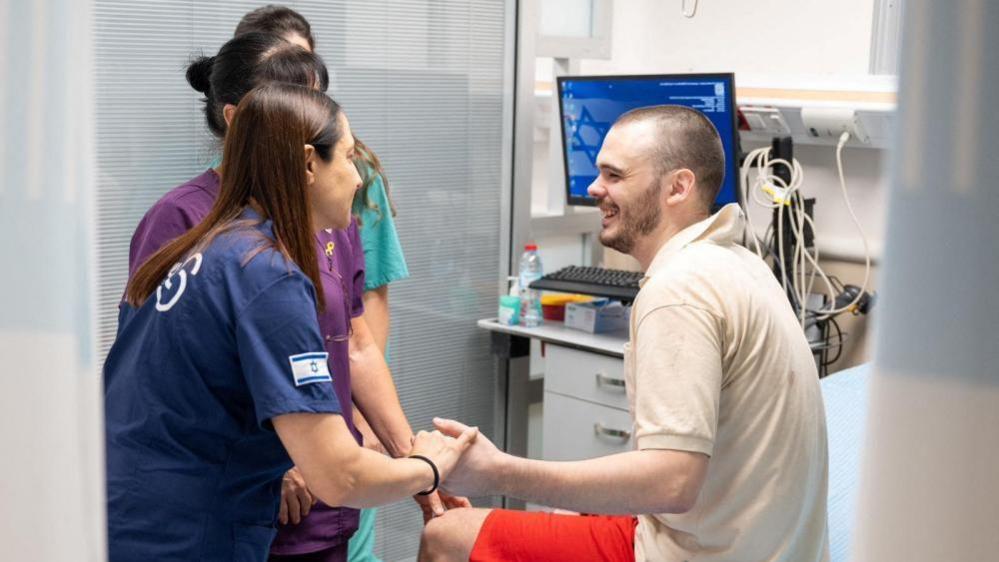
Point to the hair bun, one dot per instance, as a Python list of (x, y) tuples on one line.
[(199, 74)]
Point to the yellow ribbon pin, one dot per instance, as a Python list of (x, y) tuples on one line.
[(329, 248)]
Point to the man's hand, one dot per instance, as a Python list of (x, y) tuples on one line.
[(473, 473), (296, 499)]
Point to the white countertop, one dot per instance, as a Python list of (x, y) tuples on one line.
[(556, 333)]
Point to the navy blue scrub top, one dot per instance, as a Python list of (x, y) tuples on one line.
[(191, 383)]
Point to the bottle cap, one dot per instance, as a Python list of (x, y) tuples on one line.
[(530, 247)]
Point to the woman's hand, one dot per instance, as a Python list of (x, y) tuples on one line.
[(454, 502), (430, 505), (435, 504), (296, 499), (444, 451)]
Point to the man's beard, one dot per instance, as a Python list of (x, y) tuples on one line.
[(640, 220)]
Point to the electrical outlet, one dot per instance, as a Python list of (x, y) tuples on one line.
[(768, 120), (832, 122)]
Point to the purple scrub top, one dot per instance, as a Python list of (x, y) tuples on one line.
[(341, 267)]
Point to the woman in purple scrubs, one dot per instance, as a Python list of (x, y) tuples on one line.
[(241, 64)]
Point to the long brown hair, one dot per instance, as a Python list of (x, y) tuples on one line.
[(264, 166)]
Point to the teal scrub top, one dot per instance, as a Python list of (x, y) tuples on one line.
[(383, 258)]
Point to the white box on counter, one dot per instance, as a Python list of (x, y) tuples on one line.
[(597, 316)]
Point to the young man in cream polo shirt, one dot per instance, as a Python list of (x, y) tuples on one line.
[(731, 460)]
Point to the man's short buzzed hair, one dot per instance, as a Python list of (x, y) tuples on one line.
[(685, 138)]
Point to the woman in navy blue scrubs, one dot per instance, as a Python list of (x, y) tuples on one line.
[(217, 382)]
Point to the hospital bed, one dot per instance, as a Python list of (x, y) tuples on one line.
[(845, 394)]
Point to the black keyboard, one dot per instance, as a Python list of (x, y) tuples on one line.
[(613, 283)]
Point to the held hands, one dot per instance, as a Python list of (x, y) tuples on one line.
[(473, 474), (296, 499), (445, 452)]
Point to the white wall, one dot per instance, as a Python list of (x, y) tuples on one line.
[(806, 37)]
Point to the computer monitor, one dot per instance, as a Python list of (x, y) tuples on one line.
[(589, 105)]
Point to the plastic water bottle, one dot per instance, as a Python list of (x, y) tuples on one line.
[(530, 299)]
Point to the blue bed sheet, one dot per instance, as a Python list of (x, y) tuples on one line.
[(845, 394)]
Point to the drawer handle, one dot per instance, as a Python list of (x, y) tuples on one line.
[(621, 434), (604, 380)]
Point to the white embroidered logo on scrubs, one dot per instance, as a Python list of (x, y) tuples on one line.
[(310, 367), (179, 269)]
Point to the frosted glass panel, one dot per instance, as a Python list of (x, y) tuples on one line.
[(52, 472)]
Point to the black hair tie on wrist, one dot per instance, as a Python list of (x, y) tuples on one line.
[(437, 474)]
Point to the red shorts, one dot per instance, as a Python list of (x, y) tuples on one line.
[(522, 536)]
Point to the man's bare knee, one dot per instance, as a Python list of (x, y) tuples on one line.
[(450, 537)]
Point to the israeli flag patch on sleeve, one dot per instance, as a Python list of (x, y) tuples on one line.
[(310, 367)]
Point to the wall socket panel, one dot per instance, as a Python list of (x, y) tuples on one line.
[(868, 127), (833, 122), (766, 120)]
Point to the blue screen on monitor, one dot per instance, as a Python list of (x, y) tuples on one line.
[(589, 105)]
